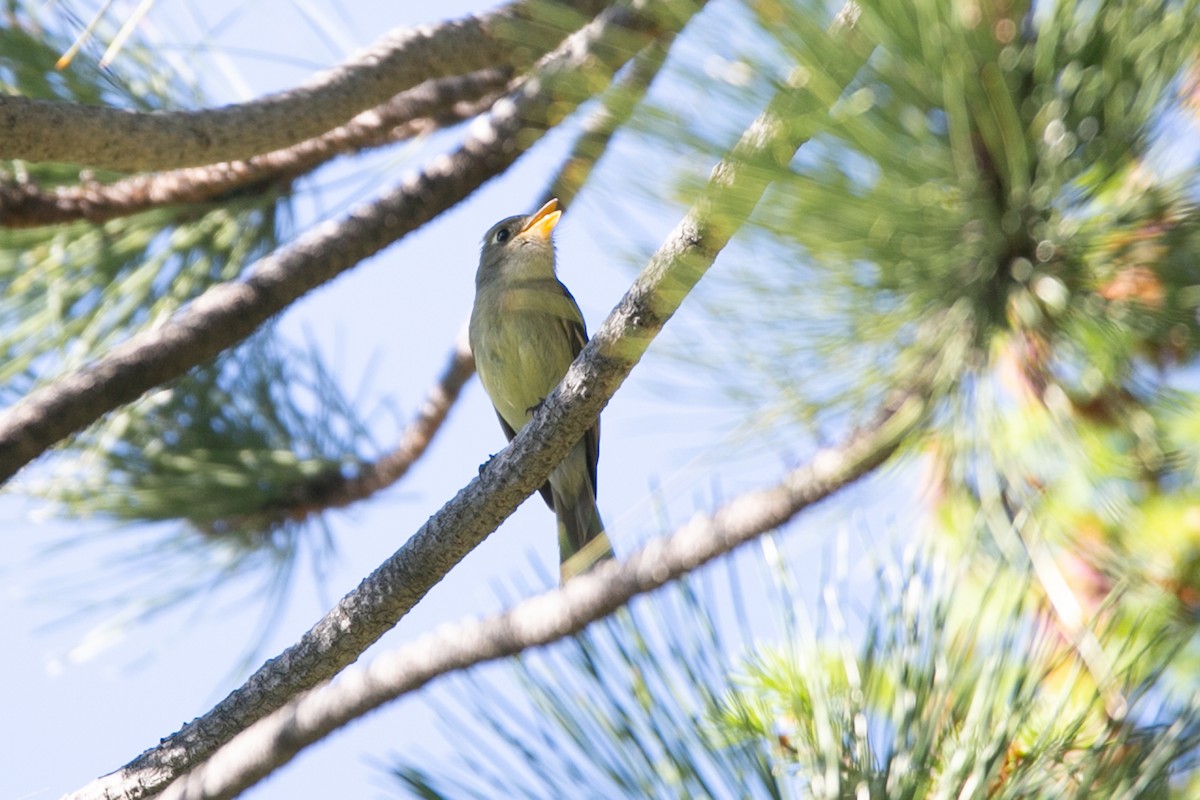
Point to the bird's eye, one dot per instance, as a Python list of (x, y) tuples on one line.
[(502, 235)]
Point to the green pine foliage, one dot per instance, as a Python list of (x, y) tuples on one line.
[(210, 488), (971, 183), (219, 449), (232, 448), (73, 291), (622, 710), (942, 701), (218, 476), (927, 697)]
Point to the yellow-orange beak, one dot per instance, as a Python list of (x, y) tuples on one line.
[(542, 223)]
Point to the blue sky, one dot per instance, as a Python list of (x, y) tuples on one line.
[(388, 325)]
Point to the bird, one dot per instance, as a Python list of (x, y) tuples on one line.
[(525, 331)]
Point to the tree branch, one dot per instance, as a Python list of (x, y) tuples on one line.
[(432, 105), (228, 313), (272, 742), (388, 593), (513, 36)]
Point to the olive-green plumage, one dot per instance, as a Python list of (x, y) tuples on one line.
[(526, 329)]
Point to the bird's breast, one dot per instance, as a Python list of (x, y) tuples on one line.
[(522, 348)]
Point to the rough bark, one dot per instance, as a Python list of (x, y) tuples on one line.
[(513, 36)]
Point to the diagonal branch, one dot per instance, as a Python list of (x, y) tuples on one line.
[(513, 36), (426, 108), (228, 313), (395, 587), (272, 742)]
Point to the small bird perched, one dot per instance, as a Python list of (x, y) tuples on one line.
[(525, 331)]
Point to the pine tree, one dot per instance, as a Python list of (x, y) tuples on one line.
[(955, 237)]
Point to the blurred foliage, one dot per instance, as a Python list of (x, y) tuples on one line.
[(31, 42), (933, 697), (1012, 187), (967, 179), (70, 292), (232, 448), (208, 483), (948, 698)]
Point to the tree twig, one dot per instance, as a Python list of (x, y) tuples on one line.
[(272, 742), (430, 106), (228, 313), (336, 490), (513, 36), (419, 433)]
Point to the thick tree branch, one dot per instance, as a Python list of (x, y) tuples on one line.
[(513, 37), (228, 313), (389, 592), (272, 742), (432, 105)]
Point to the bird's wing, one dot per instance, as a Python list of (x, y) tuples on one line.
[(576, 331)]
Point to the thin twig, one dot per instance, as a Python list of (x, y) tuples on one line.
[(419, 433), (272, 742), (433, 105), (336, 490), (513, 37)]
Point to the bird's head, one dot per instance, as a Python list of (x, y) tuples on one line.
[(520, 247)]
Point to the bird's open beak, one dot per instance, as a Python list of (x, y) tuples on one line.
[(542, 223)]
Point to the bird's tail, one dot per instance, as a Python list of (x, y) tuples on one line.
[(582, 542)]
